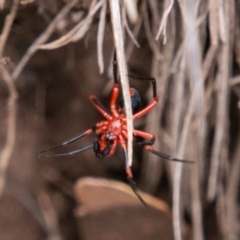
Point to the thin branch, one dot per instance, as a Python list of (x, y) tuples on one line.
[(77, 32), (234, 80), (163, 25), (100, 37), (11, 126), (50, 216), (148, 32), (231, 205), (42, 38), (224, 62), (131, 8), (125, 23), (7, 26)]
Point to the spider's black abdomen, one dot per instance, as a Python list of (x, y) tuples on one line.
[(136, 100)]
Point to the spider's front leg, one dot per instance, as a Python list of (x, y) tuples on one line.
[(88, 132), (115, 90)]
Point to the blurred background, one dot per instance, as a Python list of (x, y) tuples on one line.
[(54, 54)]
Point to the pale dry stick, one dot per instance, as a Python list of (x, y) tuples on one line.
[(193, 64), (162, 28), (177, 176), (234, 80), (100, 37), (148, 32), (119, 45), (231, 204), (208, 61), (155, 15), (214, 36), (177, 100), (28, 202), (223, 75), (131, 8), (194, 67), (130, 45), (42, 38), (2, 2), (161, 71), (76, 33), (7, 26), (11, 126), (229, 16), (125, 23), (25, 2), (214, 27), (222, 21), (50, 216), (237, 34)]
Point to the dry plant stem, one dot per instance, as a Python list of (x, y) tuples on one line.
[(131, 45), (42, 39), (148, 32), (119, 45), (100, 37), (224, 63), (235, 80), (77, 32), (11, 126), (131, 7), (2, 2), (214, 21), (214, 36), (167, 9), (125, 23), (194, 68), (177, 176), (28, 202), (231, 204), (192, 60), (177, 105), (7, 26), (50, 216), (152, 165)]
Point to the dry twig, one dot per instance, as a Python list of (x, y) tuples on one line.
[(11, 126)]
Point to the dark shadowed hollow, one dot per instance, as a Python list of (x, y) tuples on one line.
[(54, 54)]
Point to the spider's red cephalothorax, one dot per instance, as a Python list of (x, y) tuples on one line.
[(113, 130)]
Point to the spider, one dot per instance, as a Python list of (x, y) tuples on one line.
[(113, 130)]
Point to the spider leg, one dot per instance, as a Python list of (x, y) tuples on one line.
[(155, 97), (88, 132), (130, 178), (146, 144), (100, 108), (115, 90), (67, 154)]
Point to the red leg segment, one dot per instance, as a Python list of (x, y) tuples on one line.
[(100, 107), (146, 109), (113, 107)]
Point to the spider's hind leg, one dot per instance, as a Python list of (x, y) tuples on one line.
[(146, 144), (130, 178)]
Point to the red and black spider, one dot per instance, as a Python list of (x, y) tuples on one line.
[(113, 130)]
